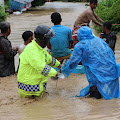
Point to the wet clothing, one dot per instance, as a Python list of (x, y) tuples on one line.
[(110, 39), (7, 54), (34, 70), (85, 17), (60, 43), (98, 59)]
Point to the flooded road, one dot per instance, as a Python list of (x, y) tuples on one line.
[(58, 103)]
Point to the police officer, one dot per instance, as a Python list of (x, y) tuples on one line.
[(36, 64)]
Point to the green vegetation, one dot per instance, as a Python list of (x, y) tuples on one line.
[(7, 4), (109, 10), (3, 15)]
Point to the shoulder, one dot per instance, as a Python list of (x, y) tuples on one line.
[(27, 47), (67, 28), (80, 44), (22, 46), (52, 27), (25, 50), (88, 11), (113, 33), (4, 40)]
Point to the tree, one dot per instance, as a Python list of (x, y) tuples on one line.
[(109, 10), (3, 15)]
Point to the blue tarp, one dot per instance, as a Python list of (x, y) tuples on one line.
[(17, 6), (24, 1), (99, 61)]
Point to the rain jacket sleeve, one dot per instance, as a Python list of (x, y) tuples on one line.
[(39, 62), (52, 61), (74, 59)]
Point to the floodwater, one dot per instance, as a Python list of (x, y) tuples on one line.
[(59, 103)]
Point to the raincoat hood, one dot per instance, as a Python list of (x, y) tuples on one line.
[(84, 33)]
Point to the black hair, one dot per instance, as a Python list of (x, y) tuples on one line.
[(4, 26), (26, 35), (56, 18), (108, 25), (93, 1)]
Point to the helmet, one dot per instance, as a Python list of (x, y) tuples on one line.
[(43, 33)]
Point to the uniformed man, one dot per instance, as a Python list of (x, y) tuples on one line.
[(36, 64)]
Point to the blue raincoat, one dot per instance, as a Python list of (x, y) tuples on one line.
[(99, 61)]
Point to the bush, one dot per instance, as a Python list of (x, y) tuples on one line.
[(109, 10), (38, 2), (3, 15)]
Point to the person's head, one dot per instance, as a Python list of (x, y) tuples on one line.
[(42, 34), (84, 33), (93, 4), (27, 37), (56, 18), (5, 28), (107, 26)]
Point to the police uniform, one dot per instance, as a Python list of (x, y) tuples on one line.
[(34, 70)]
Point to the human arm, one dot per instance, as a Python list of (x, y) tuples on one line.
[(52, 61), (98, 18), (6, 48), (37, 60), (74, 60), (97, 23), (92, 16), (15, 48)]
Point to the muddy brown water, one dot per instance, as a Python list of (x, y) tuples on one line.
[(59, 103)]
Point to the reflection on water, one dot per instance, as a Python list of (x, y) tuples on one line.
[(59, 104)]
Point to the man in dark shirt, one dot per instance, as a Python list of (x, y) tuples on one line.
[(6, 52), (108, 36)]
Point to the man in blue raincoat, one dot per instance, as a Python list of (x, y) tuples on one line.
[(101, 69)]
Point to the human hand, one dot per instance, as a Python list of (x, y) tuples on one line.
[(15, 48), (59, 67), (55, 77), (60, 75)]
